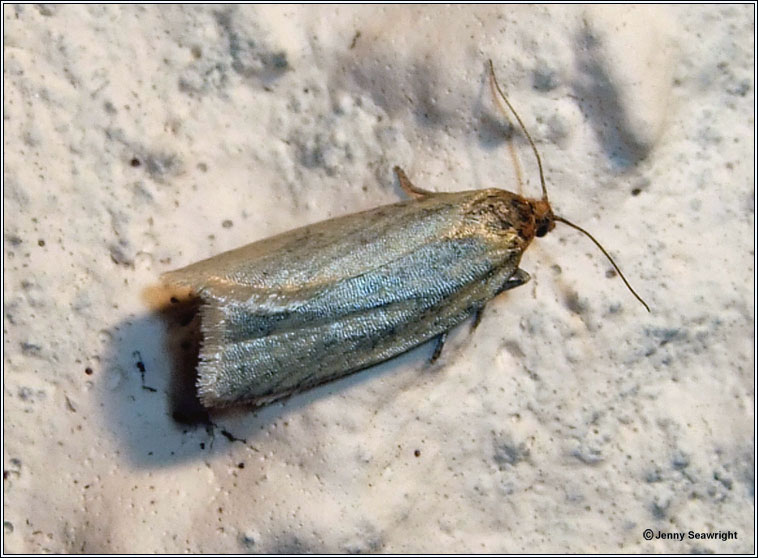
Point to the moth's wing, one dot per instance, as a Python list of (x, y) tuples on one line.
[(319, 254), (317, 302), (259, 352)]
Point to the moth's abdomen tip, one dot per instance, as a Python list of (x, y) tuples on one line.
[(187, 285), (161, 296)]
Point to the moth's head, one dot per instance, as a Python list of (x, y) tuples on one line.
[(544, 220), (514, 214)]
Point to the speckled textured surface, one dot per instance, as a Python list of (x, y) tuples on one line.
[(142, 138)]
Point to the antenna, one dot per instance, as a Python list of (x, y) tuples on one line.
[(496, 86), (493, 81), (607, 255)]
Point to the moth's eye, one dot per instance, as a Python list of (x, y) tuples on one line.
[(543, 228)]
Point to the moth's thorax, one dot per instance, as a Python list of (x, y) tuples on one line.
[(512, 217)]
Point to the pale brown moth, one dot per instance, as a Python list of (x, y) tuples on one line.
[(317, 303)]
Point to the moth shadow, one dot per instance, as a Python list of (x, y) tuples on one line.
[(600, 99), (149, 399)]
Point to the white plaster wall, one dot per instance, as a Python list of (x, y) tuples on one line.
[(142, 138)]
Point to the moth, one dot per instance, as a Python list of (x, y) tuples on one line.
[(317, 303)]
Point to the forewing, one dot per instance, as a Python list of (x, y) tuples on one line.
[(320, 254), (318, 302), (256, 353)]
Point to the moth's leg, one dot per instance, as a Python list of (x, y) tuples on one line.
[(408, 186), (438, 347), (477, 318), (517, 278)]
